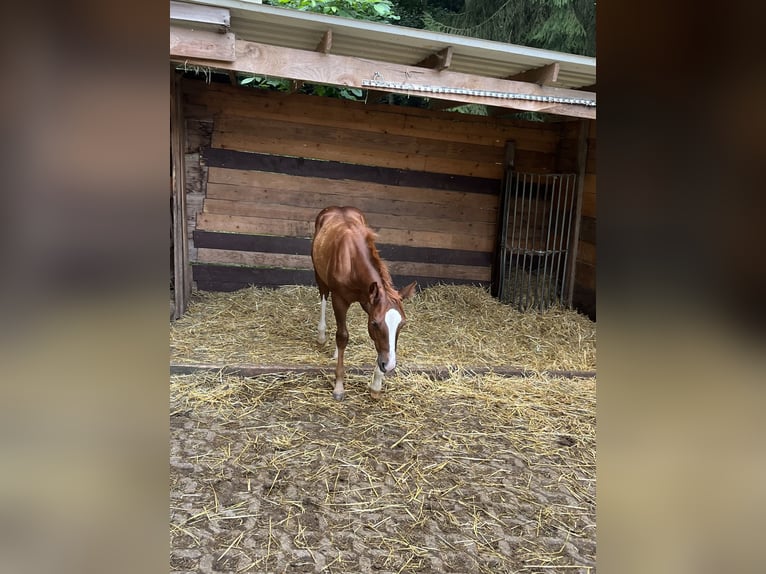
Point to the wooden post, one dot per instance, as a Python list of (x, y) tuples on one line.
[(498, 273), (582, 162), (181, 269)]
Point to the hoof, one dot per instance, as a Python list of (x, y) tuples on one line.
[(376, 395), (338, 396), (321, 340)]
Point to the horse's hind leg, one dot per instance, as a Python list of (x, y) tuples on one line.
[(322, 326)]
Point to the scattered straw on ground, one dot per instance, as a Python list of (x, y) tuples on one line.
[(468, 474), (458, 326)]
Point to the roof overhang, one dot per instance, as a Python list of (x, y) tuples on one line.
[(244, 36)]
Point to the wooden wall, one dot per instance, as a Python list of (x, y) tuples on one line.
[(264, 164)]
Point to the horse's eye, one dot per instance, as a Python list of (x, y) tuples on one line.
[(374, 324)]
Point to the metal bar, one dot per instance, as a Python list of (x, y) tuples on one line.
[(549, 251), (474, 92), (515, 239), (559, 226), (561, 213), (509, 158), (567, 237), (535, 293), (528, 184)]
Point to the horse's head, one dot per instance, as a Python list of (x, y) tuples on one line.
[(385, 320)]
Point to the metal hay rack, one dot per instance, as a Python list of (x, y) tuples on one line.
[(535, 239)]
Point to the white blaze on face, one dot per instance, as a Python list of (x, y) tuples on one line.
[(393, 319)]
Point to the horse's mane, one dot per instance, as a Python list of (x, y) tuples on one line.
[(380, 265)]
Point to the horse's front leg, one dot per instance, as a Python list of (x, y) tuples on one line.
[(341, 340), (376, 386)]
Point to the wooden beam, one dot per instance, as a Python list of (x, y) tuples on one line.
[(325, 44), (440, 60), (188, 44), (582, 162), (182, 12), (181, 268), (544, 75), (309, 66)]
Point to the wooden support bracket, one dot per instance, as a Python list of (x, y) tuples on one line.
[(325, 44), (190, 44), (440, 60), (544, 75)]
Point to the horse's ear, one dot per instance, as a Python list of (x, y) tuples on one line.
[(374, 293), (408, 291)]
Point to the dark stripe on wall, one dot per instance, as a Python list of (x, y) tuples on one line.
[(259, 243), (302, 246), (234, 159), (232, 278), (214, 277)]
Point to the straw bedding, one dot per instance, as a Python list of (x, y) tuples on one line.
[(448, 326), (464, 474), (455, 473)]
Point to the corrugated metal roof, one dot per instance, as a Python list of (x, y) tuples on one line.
[(397, 44)]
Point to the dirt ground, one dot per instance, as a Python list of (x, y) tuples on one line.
[(465, 474)]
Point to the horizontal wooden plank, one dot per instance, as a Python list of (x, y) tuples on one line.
[(291, 145), (368, 198), (207, 44), (282, 227), (462, 272), (302, 246), (232, 159), (231, 278), (381, 142), (254, 225), (266, 187), (256, 259), (374, 220), (224, 99)]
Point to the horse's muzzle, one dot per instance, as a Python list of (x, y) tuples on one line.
[(386, 365)]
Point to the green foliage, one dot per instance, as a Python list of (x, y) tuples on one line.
[(373, 10), (561, 25), (276, 84), (283, 85), (332, 91)]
